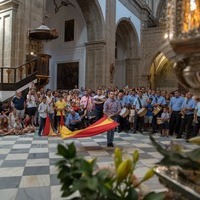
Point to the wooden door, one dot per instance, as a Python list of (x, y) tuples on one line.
[(67, 75)]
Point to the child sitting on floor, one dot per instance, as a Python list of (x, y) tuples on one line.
[(28, 127), (17, 128)]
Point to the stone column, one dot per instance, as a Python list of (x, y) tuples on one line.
[(110, 42), (132, 72), (95, 63), (8, 10)]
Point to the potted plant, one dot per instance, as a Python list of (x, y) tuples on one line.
[(80, 176)]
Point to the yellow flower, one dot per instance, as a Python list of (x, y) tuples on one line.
[(118, 157), (135, 156), (124, 169), (148, 175)]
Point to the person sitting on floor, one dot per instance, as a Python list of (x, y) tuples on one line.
[(12, 117), (28, 127), (4, 128), (17, 128), (73, 120)]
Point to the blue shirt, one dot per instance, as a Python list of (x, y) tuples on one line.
[(126, 99), (189, 103), (137, 103), (71, 117), (131, 99), (159, 100), (149, 110), (111, 106), (122, 102), (176, 103)]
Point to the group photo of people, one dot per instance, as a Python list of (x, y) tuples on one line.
[(137, 110)]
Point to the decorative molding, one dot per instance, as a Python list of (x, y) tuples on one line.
[(142, 11), (9, 5), (99, 42)]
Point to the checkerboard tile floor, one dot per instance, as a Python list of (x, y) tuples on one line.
[(27, 162)]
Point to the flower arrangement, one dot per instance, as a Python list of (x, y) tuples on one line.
[(77, 174)]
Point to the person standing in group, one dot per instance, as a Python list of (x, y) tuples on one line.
[(175, 109), (98, 101), (123, 123), (19, 103), (50, 103), (158, 103), (165, 125), (87, 101), (42, 110), (187, 112), (140, 104), (111, 109), (32, 100), (60, 107), (149, 115)]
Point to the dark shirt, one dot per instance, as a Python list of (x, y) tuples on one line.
[(18, 102)]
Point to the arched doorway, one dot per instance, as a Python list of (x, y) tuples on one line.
[(162, 75), (85, 49), (126, 50)]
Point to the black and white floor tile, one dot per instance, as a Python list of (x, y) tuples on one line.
[(27, 162)]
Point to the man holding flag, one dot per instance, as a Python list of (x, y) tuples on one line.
[(111, 109)]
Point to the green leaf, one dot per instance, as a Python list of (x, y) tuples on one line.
[(66, 190), (71, 151), (62, 150), (155, 196), (84, 166), (61, 163), (103, 174), (132, 194), (63, 174)]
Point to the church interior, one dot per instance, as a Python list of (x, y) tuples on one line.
[(64, 45)]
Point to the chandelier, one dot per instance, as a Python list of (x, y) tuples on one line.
[(184, 36)]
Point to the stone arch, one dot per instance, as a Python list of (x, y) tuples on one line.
[(126, 30), (162, 75), (93, 18), (93, 45), (162, 5), (127, 49), (162, 46)]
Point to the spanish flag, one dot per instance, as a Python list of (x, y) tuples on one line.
[(102, 125), (48, 131)]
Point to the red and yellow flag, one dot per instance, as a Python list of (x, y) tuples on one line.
[(48, 131), (102, 125)]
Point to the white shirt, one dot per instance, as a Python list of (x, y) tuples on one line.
[(50, 104), (42, 109), (31, 101)]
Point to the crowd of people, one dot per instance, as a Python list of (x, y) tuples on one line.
[(135, 109)]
